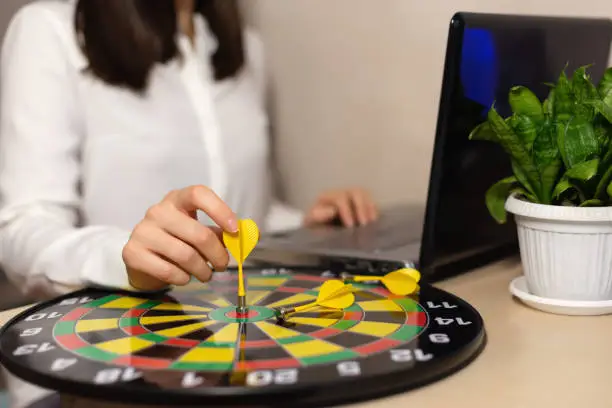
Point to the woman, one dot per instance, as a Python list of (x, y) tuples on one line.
[(115, 115), (123, 124)]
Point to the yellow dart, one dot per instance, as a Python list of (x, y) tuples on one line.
[(240, 245), (400, 282), (333, 294)]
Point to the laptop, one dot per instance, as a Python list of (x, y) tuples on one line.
[(453, 232)]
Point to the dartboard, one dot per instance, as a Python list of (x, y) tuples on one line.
[(191, 346)]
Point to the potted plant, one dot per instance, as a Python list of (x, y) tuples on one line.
[(560, 189)]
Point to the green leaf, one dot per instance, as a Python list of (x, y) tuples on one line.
[(562, 186), (584, 171), (548, 161), (519, 155), (575, 177), (496, 197), (560, 130), (522, 178), (524, 102), (483, 132), (579, 142), (574, 192), (607, 160), (603, 137), (609, 190), (520, 191), (525, 129), (605, 87), (563, 102), (549, 102), (601, 108), (582, 87), (592, 203), (603, 182)]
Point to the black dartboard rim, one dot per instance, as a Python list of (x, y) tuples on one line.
[(342, 391)]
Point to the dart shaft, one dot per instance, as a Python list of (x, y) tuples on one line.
[(241, 290), (242, 306), (302, 307), (365, 278)]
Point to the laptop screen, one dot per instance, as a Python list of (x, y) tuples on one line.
[(486, 56)]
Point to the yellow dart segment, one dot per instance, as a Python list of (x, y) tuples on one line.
[(254, 296), (228, 334), (297, 298), (379, 329), (275, 331), (255, 281), (214, 299), (311, 348), (182, 330), (127, 345), (181, 308), (313, 321), (84, 326), (168, 319), (124, 303), (209, 355), (380, 306)]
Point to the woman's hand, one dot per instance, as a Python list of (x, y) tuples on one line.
[(170, 245), (351, 206)]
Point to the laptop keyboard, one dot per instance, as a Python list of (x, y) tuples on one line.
[(378, 236)]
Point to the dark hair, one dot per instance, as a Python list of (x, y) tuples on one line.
[(124, 39)]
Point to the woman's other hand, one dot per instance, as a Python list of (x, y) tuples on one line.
[(351, 206), (170, 245)]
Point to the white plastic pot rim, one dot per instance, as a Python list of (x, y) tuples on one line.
[(524, 208)]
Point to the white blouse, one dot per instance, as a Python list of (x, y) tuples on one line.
[(81, 161)]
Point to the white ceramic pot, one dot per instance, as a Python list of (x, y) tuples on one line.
[(566, 252)]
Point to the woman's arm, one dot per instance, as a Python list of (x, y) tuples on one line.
[(42, 248)]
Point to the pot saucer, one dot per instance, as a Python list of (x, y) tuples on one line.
[(518, 287)]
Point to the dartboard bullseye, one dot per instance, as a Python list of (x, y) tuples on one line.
[(194, 345)]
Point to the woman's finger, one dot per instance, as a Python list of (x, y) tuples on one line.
[(343, 203), (360, 204), (206, 240), (202, 198), (143, 265), (174, 250)]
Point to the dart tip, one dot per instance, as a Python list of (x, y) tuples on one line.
[(281, 314)]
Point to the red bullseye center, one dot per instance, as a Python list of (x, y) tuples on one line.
[(237, 315)]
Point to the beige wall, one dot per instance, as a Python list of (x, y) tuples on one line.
[(357, 86)]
